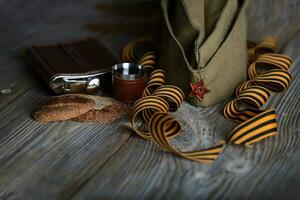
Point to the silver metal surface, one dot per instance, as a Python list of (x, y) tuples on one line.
[(92, 84), (128, 71), (77, 83)]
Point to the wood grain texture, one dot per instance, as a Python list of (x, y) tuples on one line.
[(277, 18), (90, 161), (264, 169)]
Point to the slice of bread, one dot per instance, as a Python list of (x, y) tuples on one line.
[(63, 107)]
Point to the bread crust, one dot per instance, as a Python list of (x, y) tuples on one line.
[(81, 108), (63, 107)]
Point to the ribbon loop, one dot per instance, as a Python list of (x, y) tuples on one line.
[(268, 45), (268, 62), (268, 73), (159, 124), (156, 79), (153, 103), (128, 53), (173, 95), (148, 61), (257, 128)]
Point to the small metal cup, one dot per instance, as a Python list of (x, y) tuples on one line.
[(129, 81)]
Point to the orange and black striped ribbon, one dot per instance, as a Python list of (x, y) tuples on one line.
[(268, 73), (154, 107), (148, 60)]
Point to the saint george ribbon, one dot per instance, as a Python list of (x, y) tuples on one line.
[(268, 72)]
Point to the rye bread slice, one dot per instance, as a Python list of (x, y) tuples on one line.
[(106, 110), (63, 107)]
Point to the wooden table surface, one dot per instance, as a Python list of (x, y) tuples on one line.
[(65, 160)]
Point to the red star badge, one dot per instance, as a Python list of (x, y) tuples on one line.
[(198, 90)]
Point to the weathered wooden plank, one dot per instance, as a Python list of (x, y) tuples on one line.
[(56, 157), (61, 22), (67, 21), (70, 159), (16, 78), (32, 154), (275, 18), (264, 171)]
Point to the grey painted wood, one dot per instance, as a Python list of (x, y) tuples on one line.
[(266, 170), (274, 17), (57, 157), (86, 161)]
